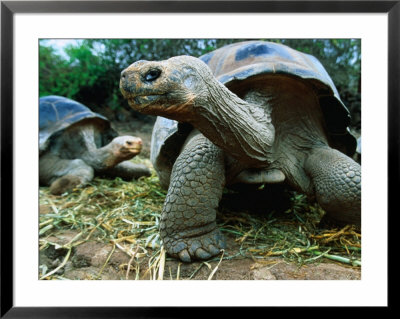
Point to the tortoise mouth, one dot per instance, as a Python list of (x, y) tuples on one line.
[(132, 149), (146, 99), (142, 101), (129, 152)]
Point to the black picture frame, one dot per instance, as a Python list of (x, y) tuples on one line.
[(9, 8)]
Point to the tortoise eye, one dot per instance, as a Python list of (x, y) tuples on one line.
[(152, 75)]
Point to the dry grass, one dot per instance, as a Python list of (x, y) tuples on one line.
[(126, 215), (292, 234)]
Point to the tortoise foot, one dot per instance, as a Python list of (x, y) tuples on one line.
[(64, 184), (195, 248)]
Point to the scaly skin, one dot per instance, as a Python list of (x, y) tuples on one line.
[(188, 227)]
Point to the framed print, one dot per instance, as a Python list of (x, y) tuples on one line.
[(85, 230)]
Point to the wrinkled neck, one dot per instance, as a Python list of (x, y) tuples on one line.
[(101, 158), (243, 130)]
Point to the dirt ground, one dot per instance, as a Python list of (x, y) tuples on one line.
[(88, 259), (98, 260)]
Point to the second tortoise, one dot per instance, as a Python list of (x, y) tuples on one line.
[(76, 143)]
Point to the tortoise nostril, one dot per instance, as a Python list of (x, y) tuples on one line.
[(152, 75)]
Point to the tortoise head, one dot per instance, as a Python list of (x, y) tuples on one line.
[(184, 89), (168, 88)]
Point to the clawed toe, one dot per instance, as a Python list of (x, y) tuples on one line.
[(196, 248), (202, 254), (213, 250), (184, 256)]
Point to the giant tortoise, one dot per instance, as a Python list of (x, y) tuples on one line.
[(250, 112), (75, 143)]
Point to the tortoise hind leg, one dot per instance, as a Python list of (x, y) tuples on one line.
[(337, 184), (63, 175), (188, 227)]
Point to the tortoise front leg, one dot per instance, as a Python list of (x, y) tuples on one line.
[(337, 184), (127, 171), (188, 227)]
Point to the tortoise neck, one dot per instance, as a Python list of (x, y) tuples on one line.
[(101, 158), (242, 129)]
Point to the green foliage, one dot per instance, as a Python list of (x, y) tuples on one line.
[(91, 70), (50, 67)]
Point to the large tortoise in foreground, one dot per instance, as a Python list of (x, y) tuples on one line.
[(250, 112), (75, 143)]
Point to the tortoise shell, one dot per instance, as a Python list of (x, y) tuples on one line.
[(239, 61), (234, 64), (56, 113)]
